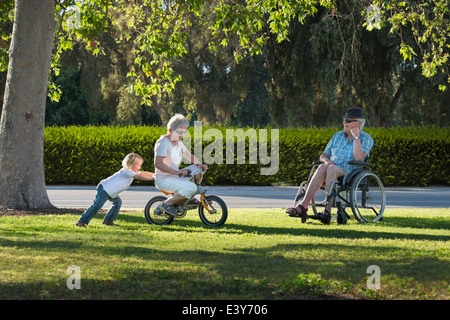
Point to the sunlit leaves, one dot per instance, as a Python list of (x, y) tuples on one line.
[(6, 20), (429, 23), (160, 30), (406, 51)]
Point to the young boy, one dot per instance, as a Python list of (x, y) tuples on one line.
[(109, 189)]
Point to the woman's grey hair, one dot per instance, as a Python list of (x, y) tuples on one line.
[(176, 121)]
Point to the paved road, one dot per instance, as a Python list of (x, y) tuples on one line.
[(254, 197)]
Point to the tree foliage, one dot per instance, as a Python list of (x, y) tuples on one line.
[(293, 63), (429, 23)]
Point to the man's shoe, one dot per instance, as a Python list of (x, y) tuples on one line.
[(324, 217), (298, 211)]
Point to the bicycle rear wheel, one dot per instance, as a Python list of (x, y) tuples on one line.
[(368, 198), (154, 215)]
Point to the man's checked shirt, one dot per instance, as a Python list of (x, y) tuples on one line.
[(340, 150)]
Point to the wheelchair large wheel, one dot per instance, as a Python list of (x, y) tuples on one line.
[(367, 196), (217, 212), (152, 213)]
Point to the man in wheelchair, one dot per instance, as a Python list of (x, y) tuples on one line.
[(344, 146)]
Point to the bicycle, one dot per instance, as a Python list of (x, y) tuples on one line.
[(212, 209)]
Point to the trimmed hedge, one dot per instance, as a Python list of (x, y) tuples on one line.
[(405, 156), (86, 155)]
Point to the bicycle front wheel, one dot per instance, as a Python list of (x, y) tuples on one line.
[(368, 198), (216, 212)]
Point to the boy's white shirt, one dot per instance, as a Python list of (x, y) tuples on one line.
[(118, 182)]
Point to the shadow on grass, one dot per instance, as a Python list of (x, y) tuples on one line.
[(236, 272), (249, 273), (343, 231), (418, 223), (340, 233), (435, 223), (338, 260), (144, 284)]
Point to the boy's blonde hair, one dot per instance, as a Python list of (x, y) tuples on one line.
[(131, 159)]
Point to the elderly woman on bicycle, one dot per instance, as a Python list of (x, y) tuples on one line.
[(169, 151), (350, 144)]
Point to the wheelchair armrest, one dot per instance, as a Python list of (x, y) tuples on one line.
[(353, 162), (360, 163)]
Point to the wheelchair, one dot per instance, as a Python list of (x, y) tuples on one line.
[(361, 190)]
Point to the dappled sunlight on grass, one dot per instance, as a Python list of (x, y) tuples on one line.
[(257, 254)]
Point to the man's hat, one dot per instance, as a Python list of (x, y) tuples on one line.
[(354, 113)]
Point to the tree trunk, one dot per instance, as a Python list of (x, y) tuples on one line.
[(22, 179)]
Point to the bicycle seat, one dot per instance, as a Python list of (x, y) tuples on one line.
[(165, 192)]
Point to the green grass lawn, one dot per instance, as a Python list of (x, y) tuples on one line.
[(257, 254)]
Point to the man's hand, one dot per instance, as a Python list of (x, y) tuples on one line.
[(354, 132), (326, 159)]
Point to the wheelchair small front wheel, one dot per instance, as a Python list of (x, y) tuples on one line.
[(368, 198), (216, 212), (153, 213)]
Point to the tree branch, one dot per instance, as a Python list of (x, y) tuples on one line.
[(396, 98), (4, 44)]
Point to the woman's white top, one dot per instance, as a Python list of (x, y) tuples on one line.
[(172, 155)]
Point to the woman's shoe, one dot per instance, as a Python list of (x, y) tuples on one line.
[(170, 209), (194, 203)]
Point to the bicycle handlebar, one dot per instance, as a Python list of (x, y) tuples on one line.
[(189, 174)]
